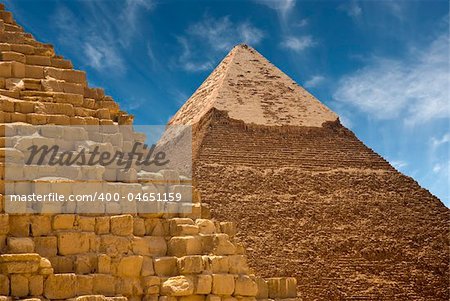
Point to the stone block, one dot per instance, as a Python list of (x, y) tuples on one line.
[(223, 284), (228, 228), (85, 263), (5, 69), (40, 225), (149, 245), (203, 284), (192, 298), (18, 245), (19, 285), (36, 285), (85, 284), (63, 222), (60, 286), (102, 225), (282, 287), (19, 263), (122, 225), (216, 264), (138, 226), (245, 286), (166, 266), (263, 288), (223, 245), (46, 246), (4, 224), (184, 245), (104, 264), (63, 264), (4, 285), (147, 266), (114, 245), (178, 286), (206, 226), (130, 266), (211, 297), (190, 264), (67, 245), (86, 223), (19, 225), (104, 284)]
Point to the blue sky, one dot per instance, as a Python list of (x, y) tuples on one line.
[(383, 66)]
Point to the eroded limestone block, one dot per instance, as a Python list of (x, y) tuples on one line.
[(71, 243), (122, 225), (130, 266), (238, 264), (184, 245), (19, 263), (104, 284), (245, 286), (216, 264), (263, 288), (19, 285), (178, 286), (60, 286), (223, 284), (36, 285), (4, 285), (85, 284), (63, 222), (104, 264), (166, 266), (102, 225), (203, 284), (147, 266), (41, 225), (206, 226), (149, 245), (190, 264), (17, 245)]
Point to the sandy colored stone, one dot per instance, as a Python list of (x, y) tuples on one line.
[(222, 284), (184, 245), (60, 286), (245, 286), (165, 266), (203, 284), (190, 264), (178, 286), (19, 285), (130, 266), (122, 225)]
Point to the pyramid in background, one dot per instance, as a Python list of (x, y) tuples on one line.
[(116, 253), (312, 201)]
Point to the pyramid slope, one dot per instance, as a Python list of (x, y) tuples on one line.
[(249, 88)]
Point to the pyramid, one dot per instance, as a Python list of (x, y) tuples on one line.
[(312, 201), (115, 252)]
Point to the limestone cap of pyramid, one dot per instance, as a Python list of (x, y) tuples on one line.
[(250, 88)]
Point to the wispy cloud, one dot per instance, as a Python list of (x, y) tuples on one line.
[(352, 9), (298, 43), (399, 164), (214, 36), (98, 32), (314, 81), (414, 89), (281, 6), (436, 142)]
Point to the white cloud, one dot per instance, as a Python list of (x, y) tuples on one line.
[(100, 56), (298, 43), (210, 38), (314, 81), (415, 89), (352, 9), (399, 164), (436, 142), (301, 23), (282, 6)]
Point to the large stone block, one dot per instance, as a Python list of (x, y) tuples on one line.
[(85, 263), (18, 245), (238, 264), (4, 285), (206, 226), (184, 245), (216, 264), (19, 285), (147, 266), (178, 286), (70, 243), (122, 225), (245, 286), (19, 263), (102, 225), (104, 264), (130, 266), (114, 245), (63, 222), (60, 286), (166, 266), (223, 284), (190, 264), (149, 245), (4, 224), (36, 285), (85, 284), (41, 225), (104, 284), (203, 284), (263, 288)]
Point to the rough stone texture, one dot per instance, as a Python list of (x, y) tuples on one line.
[(311, 200)]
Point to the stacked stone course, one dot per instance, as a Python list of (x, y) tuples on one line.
[(117, 253)]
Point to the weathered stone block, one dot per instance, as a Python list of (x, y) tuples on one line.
[(122, 225), (102, 225), (178, 286), (19, 285), (190, 264), (19, 263), (130, 266), (36, 285), (206, 226), (63, 222), (245, 286), (114, 245), (86, 223), (104, 264), (46, 246), (138, 226), (4, 224), (263, 288), (223, 284), (85, 284), (166, 266), (20, 245), (203, 284), (238, 264), (19, 225), (216, 264), (63, 264), (4, 285), (67, 245), (60, 286), (41, 225), (149, 245), (85, 263), (104, 284), (192, 298), (147, 266), (184, 245)]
